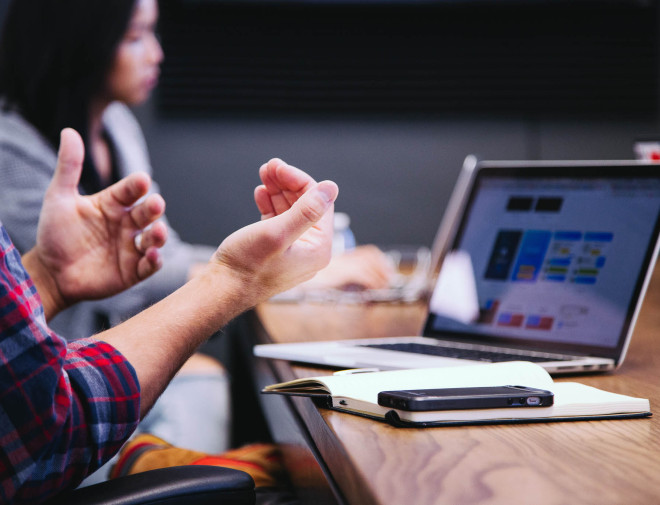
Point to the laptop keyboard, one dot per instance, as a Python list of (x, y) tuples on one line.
[(471, 354)]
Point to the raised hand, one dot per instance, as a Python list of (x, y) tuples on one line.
[(289, 245), (365, 267), (294, 239), (93, 246)]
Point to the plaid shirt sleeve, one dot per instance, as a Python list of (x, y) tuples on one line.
[(65, 409)]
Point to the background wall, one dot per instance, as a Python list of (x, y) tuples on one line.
[(387, 98), (395, 175)]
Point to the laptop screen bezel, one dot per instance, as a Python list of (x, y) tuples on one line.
[(557, 170)]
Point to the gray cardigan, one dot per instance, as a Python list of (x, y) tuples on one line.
[(27, 162)]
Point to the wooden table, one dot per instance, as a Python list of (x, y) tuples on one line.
[(335, 457)]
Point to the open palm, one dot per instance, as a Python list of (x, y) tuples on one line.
[(87, 243)]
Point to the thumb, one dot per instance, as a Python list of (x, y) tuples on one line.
[(69, 162), (308, 210)]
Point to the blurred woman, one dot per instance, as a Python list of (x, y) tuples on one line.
[(80, 64)]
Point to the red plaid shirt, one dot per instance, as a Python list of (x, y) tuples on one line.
[(65, 409)]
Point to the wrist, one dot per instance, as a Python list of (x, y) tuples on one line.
[(47, 287), (228, 288)]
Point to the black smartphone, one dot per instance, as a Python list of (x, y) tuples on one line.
[(465, 398)]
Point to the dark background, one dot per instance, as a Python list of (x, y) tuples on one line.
[(387, 98)]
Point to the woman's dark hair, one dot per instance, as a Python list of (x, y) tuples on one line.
[(54, 58)]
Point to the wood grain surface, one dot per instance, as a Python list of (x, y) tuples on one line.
[(584, 462)]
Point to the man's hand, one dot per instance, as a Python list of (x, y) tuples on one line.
[(94, 246), (289, 245), (294, 238), (365, 267)]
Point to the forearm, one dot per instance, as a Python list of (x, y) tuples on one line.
[(160, 339)]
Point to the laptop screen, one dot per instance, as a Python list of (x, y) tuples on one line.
[(556, 257)]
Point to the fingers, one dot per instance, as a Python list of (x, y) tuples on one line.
[(277, 175), (148, 244), (69, 162), (308, 210), (283, 184), (128, 190), (148, 211), (365, 267), (150, 263), (153, 237), (70, 159), (374, 263), (264, 203)]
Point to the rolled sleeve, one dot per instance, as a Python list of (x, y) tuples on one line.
[(65, 409)]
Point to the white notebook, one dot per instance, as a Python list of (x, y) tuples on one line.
[(358, 394)]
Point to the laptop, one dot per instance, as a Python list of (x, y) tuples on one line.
[(536, 261)]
